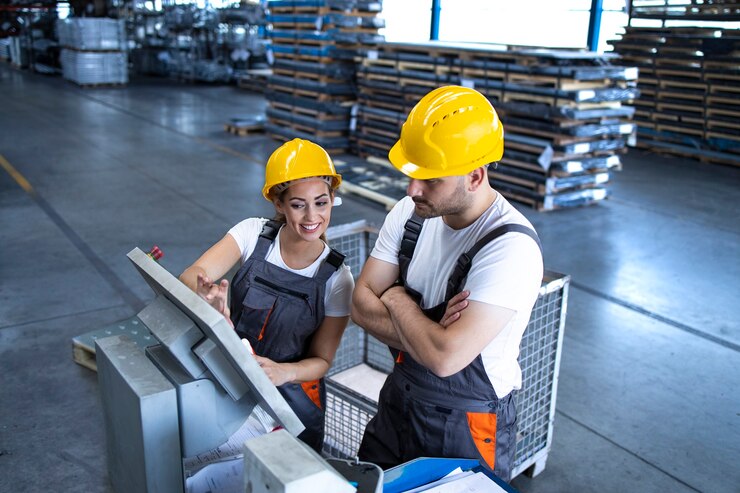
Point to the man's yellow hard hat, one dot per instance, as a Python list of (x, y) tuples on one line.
[(295, 160), (450, 132)]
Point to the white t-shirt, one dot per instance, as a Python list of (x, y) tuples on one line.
[(338, 295), (507, 272)]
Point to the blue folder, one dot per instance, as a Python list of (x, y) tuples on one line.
[(424, 470)]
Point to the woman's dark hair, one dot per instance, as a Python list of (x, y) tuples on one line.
[(279, 217)]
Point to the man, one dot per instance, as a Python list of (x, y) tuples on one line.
[(453, 323)]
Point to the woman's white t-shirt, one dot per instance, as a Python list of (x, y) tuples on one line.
[(338, 295)]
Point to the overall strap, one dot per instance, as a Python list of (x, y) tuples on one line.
[(330, 265), (465, 261), (412, 230), (267, 236)]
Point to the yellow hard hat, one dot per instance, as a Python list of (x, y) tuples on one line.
[(298, 159), (450, 132)]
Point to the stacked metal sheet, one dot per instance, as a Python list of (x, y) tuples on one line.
[(94, 51), (314, 43), (372, 178), (4, 49), (712, 10), (690, 95), (563, 111), (90, 68), (93, 34)]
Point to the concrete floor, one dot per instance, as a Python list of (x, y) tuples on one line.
[(648, 397)]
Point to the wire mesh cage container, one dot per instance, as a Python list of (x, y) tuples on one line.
[(348, 411)]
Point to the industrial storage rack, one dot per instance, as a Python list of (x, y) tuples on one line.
[(348, 411)]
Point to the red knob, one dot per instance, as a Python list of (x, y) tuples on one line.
[(155, 253)]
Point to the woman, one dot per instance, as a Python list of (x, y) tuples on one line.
[(291, 297)]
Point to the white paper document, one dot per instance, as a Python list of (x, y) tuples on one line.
[(463, 482), (218, 477), (232, 448)]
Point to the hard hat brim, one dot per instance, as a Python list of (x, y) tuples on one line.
[(336, 180), (403, 164)]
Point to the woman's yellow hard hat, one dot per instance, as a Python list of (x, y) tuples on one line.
[(295, 160)]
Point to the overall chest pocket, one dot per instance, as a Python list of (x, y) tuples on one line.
[(276, 319)]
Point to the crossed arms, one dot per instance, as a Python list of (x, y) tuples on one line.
[(391, 315)]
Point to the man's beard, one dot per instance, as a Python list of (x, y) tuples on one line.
[(456, 203)]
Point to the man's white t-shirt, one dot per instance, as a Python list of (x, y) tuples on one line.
[(338, 295), (507, 272)]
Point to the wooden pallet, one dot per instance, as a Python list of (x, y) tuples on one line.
[(367, 128), (680, 108), (293, 41), (681, 130), (376, 175), (379, 146), (299, 75), (720, 111), (319, 11), (254, 80), (720, 88), (696, 121), (557, 139), (108, 85), (724, 135), (540, 204), (658, 146), (304, 58), (310, 112), (550, 185), (727, 103), (83, 346), (244, 129), (723, 124), (317, 96), (309, 130)]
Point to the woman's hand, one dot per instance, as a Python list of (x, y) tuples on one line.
[(278, 373), (216, 294), (456, 305)]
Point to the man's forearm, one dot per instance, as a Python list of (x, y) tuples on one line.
[(407, 318), (413, 328), (371, 314)]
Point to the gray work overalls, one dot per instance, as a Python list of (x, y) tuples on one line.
[(423, 415), (278, 311)]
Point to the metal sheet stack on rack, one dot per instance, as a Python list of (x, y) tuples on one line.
[(314, 43), (373, 178), (94, 51), (5, 49), (564, 113), (690, 85)]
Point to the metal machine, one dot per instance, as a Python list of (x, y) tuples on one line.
[(170, 409)]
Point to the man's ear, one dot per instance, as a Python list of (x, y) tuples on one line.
[(476, 178)]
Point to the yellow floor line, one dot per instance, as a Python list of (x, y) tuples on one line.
[(15, 174)]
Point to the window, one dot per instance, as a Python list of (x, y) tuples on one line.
[(407, 20), (562, 24)]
